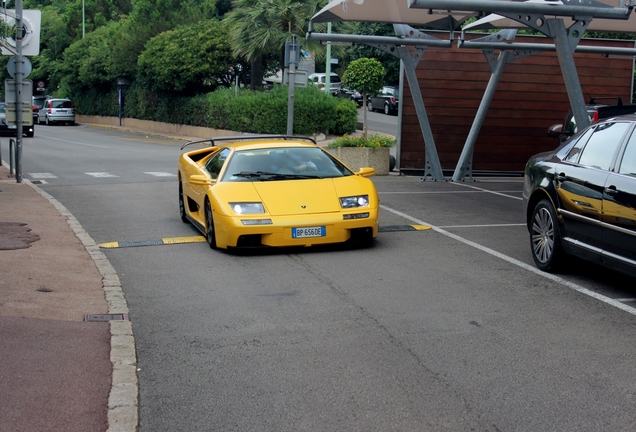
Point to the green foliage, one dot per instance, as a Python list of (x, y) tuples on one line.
[(365, 75), (165, 64), (346, 116), (373, 141), (390, 62), (249, 111)]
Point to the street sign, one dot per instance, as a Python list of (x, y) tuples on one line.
[(25, 94), (26, 66), (31, 20), (27, 114)]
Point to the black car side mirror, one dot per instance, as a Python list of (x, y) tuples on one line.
[(555, 130)]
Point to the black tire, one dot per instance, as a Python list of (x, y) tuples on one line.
[(387, 109), (209, 226), (182, 211), (370, 105), (545, 237), (391, 162), (46, 120)]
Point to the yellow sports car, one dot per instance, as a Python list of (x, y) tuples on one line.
[(264, 190)]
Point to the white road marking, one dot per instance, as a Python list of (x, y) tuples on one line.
[(612, 302), (41, 175), (483, 226), (101, 174), (489, 191), (161, 174)]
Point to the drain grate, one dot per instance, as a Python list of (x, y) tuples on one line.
[(105, 317)]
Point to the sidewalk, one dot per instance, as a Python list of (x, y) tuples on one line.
[(58, 371)]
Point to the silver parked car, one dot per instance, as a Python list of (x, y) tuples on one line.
[(57, 111)]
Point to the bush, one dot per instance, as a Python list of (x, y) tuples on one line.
[(248, 111), (373, 141)]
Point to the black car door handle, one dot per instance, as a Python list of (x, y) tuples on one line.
[(611, 190)]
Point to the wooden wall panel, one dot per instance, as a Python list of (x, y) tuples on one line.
[(530, 97)]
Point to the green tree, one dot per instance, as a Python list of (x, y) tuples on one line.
[(260, 27), (389, 61), (367, 76), (189, 59)]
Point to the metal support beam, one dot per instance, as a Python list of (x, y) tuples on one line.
[(569, 8), (565, 43), (398, 46), (463, 171)]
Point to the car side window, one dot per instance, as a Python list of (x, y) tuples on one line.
[(214, 165), (600, 149), (575, 152), (628, 163)]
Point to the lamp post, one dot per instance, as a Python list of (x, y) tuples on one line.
[(83, 19)]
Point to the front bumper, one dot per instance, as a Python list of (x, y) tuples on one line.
[(231, 232)]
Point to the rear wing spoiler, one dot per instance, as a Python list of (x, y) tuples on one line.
[(212, 141)]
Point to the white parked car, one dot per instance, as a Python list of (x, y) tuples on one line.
[(57, 111), (320, 79)]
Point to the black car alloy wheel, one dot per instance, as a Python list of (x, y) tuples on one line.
[(545, 237)]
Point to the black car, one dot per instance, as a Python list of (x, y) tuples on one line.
[(354, 95), (580, 199), (9, 129), (596, 111), (387, 100)]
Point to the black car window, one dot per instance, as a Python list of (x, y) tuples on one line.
[(575, 151), (214, 165), (628, 164), (602, 145)]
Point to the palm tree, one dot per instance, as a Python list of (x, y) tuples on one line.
[(261, 27)]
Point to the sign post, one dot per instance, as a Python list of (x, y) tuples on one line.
[(292, 55)]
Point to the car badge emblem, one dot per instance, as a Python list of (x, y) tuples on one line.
[(303, 206)]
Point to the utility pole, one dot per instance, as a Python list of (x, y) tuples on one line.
[(19, 72)]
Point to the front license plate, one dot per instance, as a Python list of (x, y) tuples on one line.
[(320, 231)]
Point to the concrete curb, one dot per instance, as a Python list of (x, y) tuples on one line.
[(123, 401)]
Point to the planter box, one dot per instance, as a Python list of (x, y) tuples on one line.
[(359, 157)]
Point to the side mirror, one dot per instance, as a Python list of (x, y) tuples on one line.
[(555, 130), (199, 179), (366, 172)]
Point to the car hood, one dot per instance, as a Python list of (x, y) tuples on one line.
[(298, 196), (290, 197)]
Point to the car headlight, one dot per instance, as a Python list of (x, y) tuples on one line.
[(354, 201), (248, 208)]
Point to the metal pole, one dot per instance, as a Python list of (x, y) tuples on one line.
[(464, 165), (564, 47), (18, 90), (291, 82), (328, 64)]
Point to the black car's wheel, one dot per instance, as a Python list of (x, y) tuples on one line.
[(387, 110), (391, 162), (545, 237), (182, 211), (370, 105), (209, 226)]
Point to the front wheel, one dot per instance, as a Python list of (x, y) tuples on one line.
[(545, 237), (182, 211), (209, 225), (370, 105)]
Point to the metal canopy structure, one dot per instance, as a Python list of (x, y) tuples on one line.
[(548, 17)]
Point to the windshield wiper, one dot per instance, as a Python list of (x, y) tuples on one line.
[(267, 175)]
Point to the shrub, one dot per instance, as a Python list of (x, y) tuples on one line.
[(373, 141)]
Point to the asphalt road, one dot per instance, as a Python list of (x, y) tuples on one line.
[(450, 328)]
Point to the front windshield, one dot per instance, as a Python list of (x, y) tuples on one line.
[(286, 163)]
